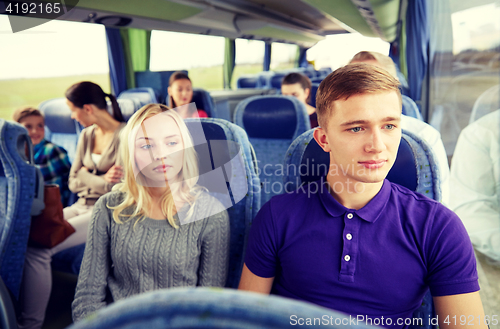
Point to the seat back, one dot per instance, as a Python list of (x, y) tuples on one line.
[(204, 102), (410, 108), (7, 311), (228, 172), (247, 81), (64, 131), (272, 123), (211, 308), (486, 103), (415, 168), (144, 95), (17, 190), (314, 91), (128, 106)]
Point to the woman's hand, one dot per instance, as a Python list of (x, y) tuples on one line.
[(114, 174)]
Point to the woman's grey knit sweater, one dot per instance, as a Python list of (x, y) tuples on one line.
[(128, 260)]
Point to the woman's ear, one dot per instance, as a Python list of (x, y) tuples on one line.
[(89, 108), (321, 138)]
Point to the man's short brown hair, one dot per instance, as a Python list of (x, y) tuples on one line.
[(349, 80), (25, 112)]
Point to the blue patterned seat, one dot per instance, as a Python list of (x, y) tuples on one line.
[(410, 108), (247, 81), (64, 131), (143, 96), (272, 123), (225, 155), (415, 168), (212, 308), (17, 190)]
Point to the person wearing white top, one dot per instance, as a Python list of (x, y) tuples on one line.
[(475, 180)]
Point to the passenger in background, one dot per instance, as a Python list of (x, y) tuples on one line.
[(180, 93), (93, 173), (158, 228), (413, 125), (299, 86), (52, 160), (475, 184)]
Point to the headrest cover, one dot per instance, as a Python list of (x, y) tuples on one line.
[(58, 116), (272, 117)]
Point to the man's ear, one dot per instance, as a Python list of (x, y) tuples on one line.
[(322, 139)]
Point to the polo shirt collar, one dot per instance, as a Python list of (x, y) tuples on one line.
[(370, 212)]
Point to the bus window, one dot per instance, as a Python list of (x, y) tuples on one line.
[(41, 63), (201, 55), (249, 58), (337, 50), (465, 63), (282, 56)]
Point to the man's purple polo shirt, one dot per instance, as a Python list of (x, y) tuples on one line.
[(375, 261)]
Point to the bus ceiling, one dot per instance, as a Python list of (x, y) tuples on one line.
[(301, 22)]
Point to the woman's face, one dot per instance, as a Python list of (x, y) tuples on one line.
[(296, 91), (79, 114), (159, 149), (181, 92)]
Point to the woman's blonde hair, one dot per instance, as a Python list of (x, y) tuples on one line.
[(137, 193)]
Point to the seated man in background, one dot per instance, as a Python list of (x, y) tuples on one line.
[(299, 86), (353, 241), (52, 160), (413, 125), (475, 181)]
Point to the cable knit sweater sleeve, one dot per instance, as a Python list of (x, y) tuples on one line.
[(214, 258), (91, 288)]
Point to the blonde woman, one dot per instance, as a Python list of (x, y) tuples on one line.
[(158, 228)]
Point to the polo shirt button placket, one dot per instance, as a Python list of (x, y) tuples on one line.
[(347, 258), (349, 215)]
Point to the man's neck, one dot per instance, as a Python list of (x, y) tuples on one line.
[(352, 195)]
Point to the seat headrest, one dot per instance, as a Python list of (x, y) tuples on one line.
[(248, 81), (315, 163), (58, 116), (144, 95), (272, 117)]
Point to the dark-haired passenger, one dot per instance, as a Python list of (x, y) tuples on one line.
[(353, 241), (299, 86), (52, 159), (93, 173), (180, 94)]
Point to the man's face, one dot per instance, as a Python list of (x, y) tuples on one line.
[(363, 135)]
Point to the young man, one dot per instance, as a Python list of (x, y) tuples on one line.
[(355, 242)]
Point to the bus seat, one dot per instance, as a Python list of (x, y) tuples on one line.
[(64, 131), (410, 108), (8, 314), (276, 79), (272, 123), (247, 81), (317, 80), (486, 103), (415, 168), (204, 101), (17, 190), (127, 106), (144, 95), (325, 71), (221, 144), (216, 308), (314, 91)]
